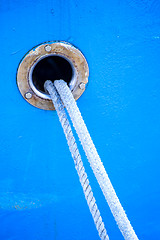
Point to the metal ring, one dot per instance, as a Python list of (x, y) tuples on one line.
[(65, 50)]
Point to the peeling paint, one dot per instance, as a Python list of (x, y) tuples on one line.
[(22, 201)]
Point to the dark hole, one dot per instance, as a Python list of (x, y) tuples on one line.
[(51, 68)]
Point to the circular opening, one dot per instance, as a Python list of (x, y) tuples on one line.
[(51, 68)]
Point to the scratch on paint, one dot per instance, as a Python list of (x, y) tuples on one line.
[(55, 230), (13, 53), (21, 201), (156, 37)]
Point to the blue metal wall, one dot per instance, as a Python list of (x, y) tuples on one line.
[(40, 195)]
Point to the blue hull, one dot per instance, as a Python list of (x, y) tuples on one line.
[(40, 194)]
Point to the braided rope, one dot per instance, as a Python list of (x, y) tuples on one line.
[(77, 160), (95, 161)]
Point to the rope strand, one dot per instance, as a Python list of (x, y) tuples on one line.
[(77, 160), (95, 161)]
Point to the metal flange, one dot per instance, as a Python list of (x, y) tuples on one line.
[(71, 54)]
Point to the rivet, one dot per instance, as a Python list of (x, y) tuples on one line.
[(28, 95), (48, 48), (82, 86)]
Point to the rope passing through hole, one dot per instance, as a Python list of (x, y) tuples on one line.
[(77, 160), (60, 92)]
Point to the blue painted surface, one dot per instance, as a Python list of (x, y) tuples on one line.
[(40, 195)]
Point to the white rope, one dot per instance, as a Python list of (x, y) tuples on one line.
[(95, 161), (77, 160)]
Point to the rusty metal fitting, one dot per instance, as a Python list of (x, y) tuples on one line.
[(51, 60)]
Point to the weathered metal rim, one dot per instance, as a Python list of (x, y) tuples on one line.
[(63, 49)]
